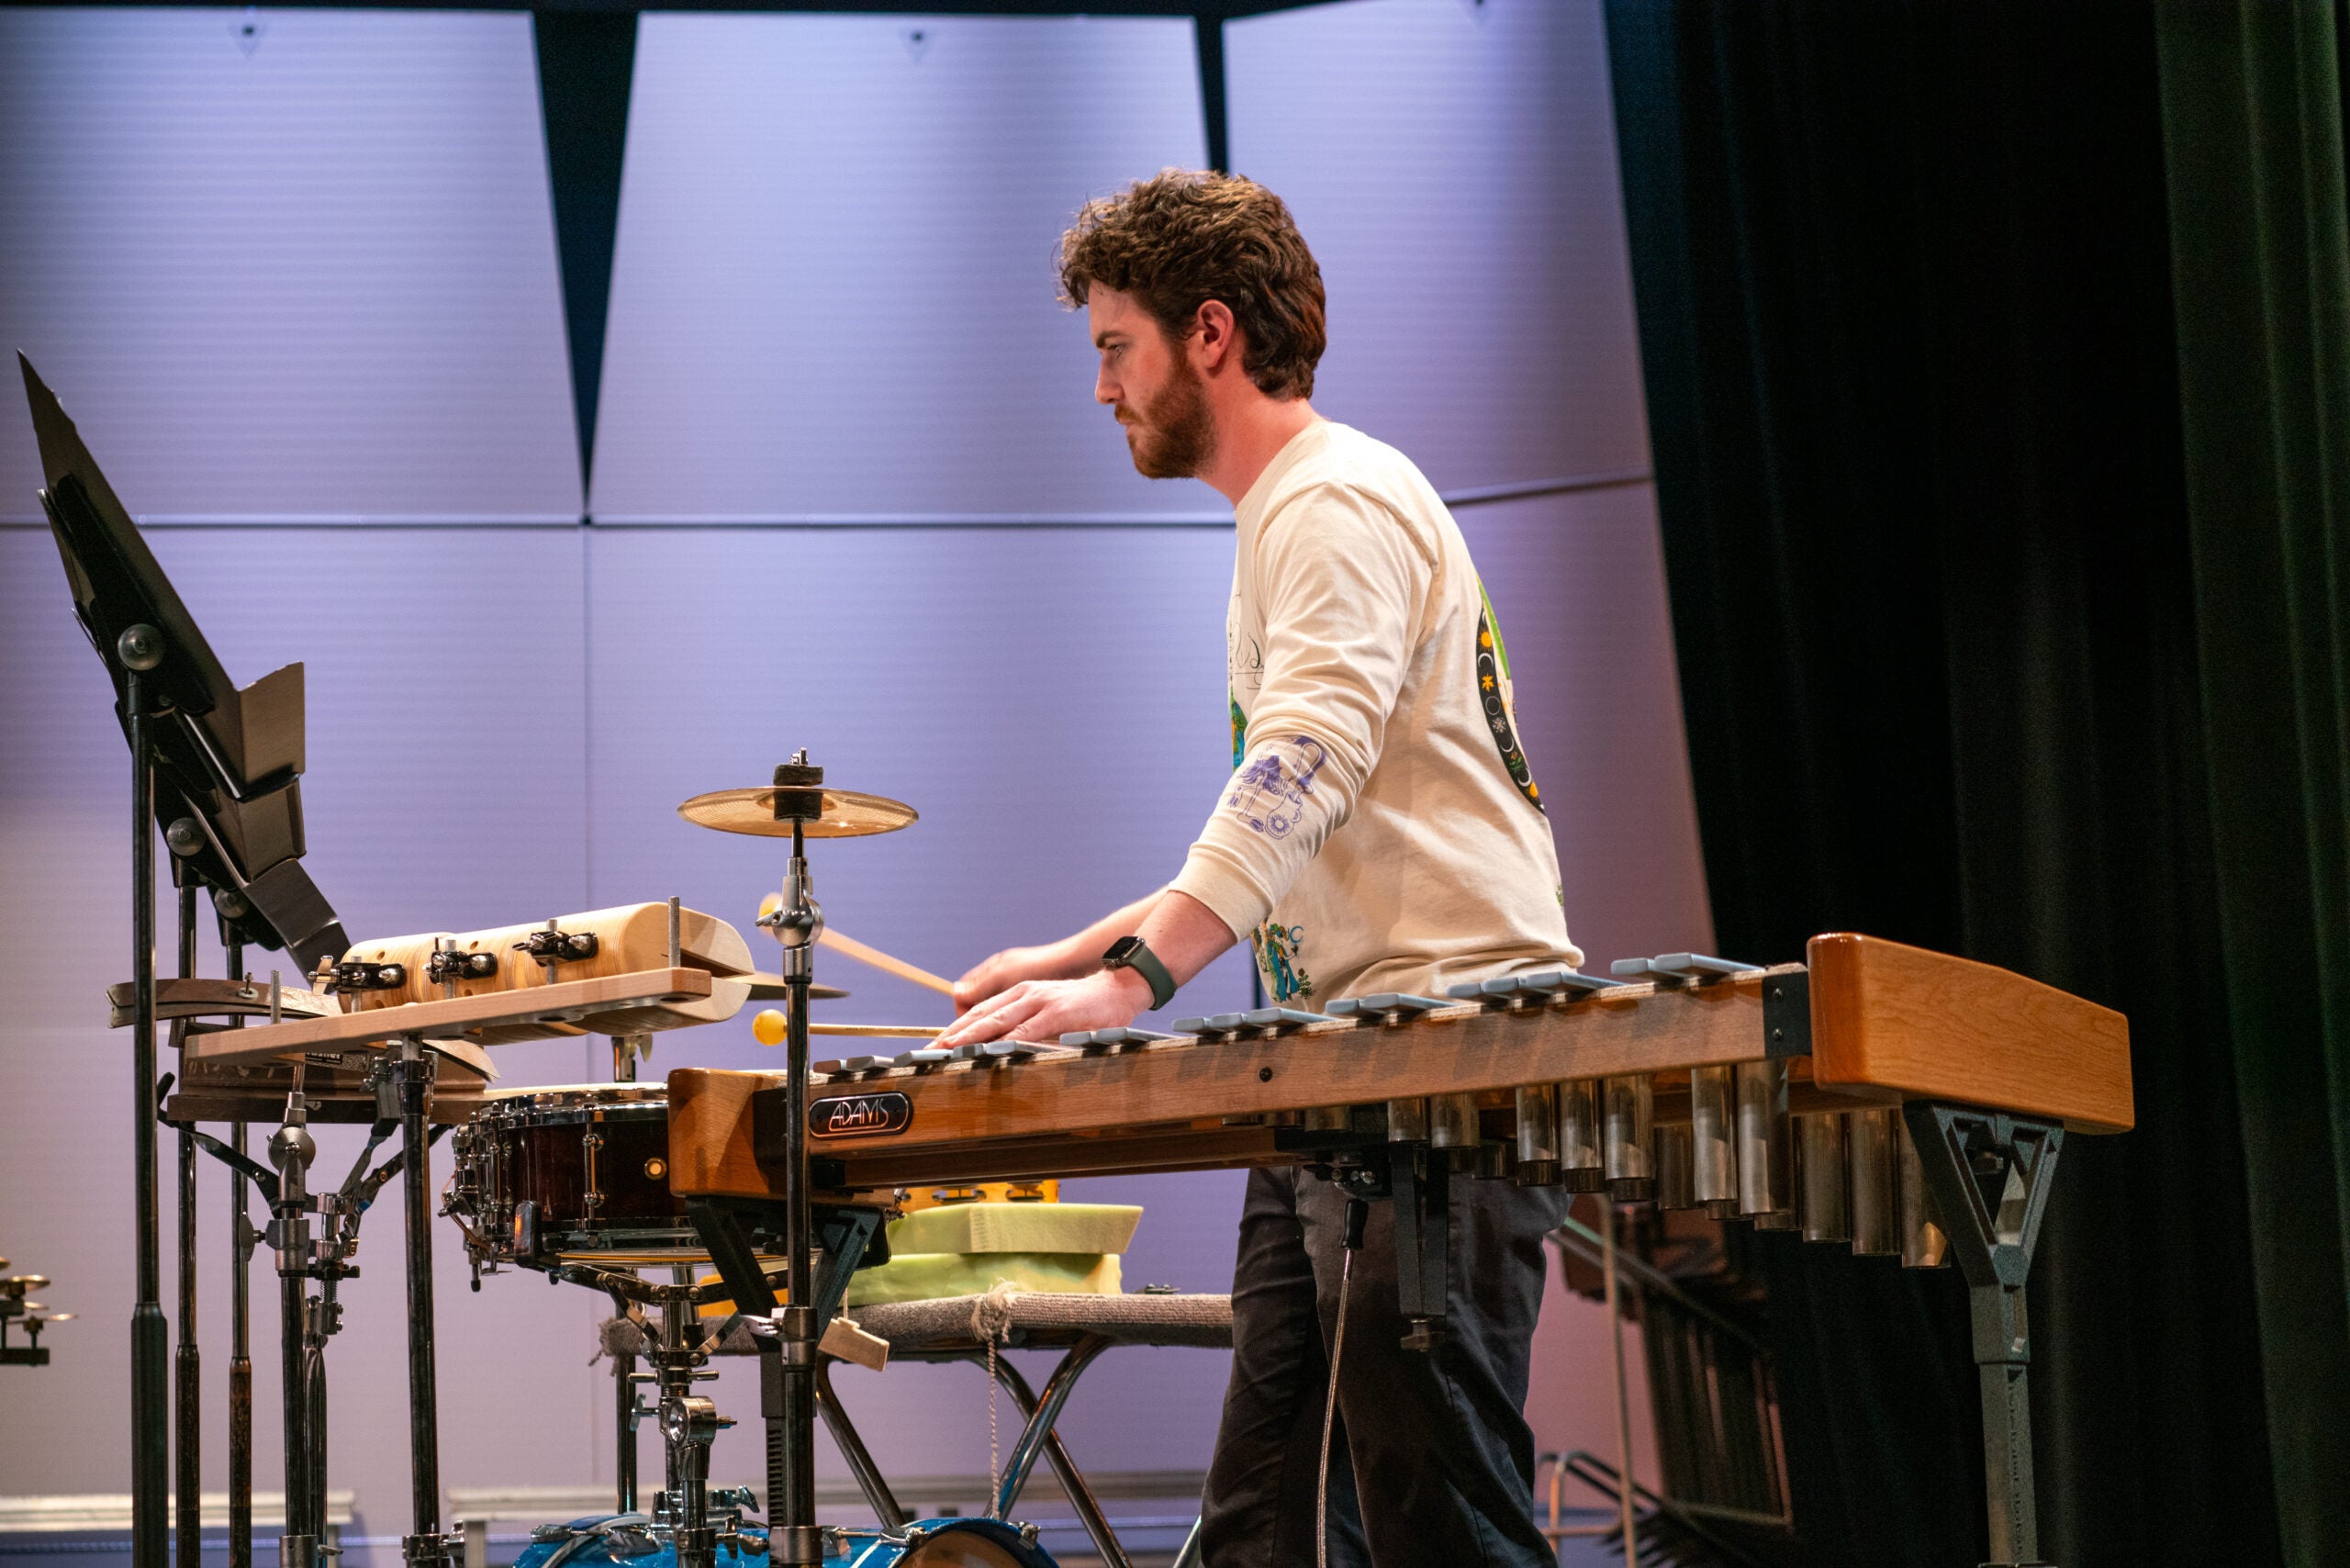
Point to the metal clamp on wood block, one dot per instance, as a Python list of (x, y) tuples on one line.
[(357, 976), (552, 947), (1385, 1007), (1680, 969), (443, 968)]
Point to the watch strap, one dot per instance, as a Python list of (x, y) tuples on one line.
[(1134, 953)]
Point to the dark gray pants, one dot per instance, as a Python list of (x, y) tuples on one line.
[(1432, 1462)]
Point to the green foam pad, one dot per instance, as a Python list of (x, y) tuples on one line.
[(1016, 1227), (930, 1276)]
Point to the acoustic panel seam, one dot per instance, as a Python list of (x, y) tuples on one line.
[(1474, 496)]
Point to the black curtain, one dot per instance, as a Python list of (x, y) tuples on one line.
[(1940, 545)]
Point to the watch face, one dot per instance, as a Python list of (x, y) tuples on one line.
[(1120, 951)]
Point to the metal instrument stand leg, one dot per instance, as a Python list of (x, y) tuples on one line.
[(1989, 1174), (188, 1395), (139, 650), (1421, 1181), (625, 1410), (241, 1342), (291, 1149), (1037, 1437), (425, 1547)]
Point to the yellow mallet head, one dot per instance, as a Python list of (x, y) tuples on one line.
[(769, 1028)]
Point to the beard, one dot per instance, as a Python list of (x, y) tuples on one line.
[(1173, 435)]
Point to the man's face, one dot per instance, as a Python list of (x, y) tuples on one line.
[(1151, 386)]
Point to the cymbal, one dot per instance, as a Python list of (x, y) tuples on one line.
[(765, 987), (847, 814)]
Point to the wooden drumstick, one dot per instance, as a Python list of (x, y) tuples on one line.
[(771, 1028), (851, 947)]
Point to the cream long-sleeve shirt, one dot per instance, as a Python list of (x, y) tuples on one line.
[(1382, 831)]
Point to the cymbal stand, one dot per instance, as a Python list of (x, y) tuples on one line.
[(792, 1536), (139, 650)]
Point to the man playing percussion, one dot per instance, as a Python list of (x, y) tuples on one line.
[(1382, 833)]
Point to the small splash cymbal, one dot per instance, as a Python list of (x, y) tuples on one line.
[(847, 814)]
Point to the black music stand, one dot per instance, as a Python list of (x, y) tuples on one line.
[(217, 768)]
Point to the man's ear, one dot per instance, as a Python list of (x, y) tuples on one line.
[(1214, 340)]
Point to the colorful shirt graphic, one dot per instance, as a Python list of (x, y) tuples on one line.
[(1494, 694)]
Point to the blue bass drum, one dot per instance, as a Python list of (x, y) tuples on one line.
[(603, 1540), (940, 1543), (600, 1541)]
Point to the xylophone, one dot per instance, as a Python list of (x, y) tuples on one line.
[(1906, 1101)]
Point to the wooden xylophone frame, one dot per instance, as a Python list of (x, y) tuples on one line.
[(1989, 1070)]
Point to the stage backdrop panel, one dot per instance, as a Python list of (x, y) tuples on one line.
[(286, 264), (833, 291), (1454, 167), (1577, 583), (1052, 701), (446, 679)]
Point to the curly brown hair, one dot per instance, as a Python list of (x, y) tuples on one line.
[(1184, 237)]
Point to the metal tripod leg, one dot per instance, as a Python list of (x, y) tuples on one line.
[(869, 1480), (1037, 1437), (1989, 1174)]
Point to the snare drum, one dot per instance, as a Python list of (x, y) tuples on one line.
[(579, 1170)]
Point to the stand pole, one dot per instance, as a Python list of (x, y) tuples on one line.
[(291, 1149), (625, 1422), (240, 1338), (792, 1511), (139, 650), (189, 1413), (240, 1360), (425, 1547)]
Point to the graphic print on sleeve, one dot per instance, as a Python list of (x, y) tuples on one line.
[(1269, 793)]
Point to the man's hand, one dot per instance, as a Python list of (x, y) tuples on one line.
[(994, 975), (1047, 1008)]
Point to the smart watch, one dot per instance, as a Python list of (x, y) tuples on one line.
[(1134, 953)]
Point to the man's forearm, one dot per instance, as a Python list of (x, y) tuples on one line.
[(1083, 951), (1186, 934)]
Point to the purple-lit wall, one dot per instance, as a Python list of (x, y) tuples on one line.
[(299, 282)]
